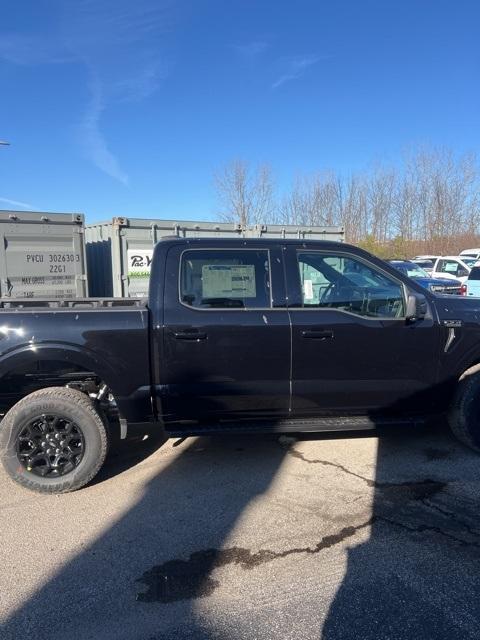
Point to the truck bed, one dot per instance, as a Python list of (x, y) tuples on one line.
[(107, 337)]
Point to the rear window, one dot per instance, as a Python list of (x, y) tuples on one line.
[(225, 279), (474, 274)]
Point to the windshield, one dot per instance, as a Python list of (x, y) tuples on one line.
[(469, 261), (415, 271), (412, 270)]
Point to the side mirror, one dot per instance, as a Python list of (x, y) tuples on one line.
[(461, 273), (416, 307)]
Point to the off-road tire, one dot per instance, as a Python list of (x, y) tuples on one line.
[(73, 405), (464, 414)]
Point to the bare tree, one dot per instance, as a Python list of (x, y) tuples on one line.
[(429, 203), (246, 196), (313, 200)]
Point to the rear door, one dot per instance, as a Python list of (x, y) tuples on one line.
[(226, 337)]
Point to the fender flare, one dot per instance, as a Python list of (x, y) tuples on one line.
[(63, 352)]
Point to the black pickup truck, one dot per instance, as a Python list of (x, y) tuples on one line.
[(237, 336)]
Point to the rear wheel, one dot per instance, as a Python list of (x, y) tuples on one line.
[(464, 415), (53, 440)]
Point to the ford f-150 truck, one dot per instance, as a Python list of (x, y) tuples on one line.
[(243, 335)]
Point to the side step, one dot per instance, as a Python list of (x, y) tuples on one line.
[(300, 425)]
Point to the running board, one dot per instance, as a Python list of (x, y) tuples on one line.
[(300, 425)]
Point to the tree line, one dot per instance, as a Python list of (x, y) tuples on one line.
[(427, 203)]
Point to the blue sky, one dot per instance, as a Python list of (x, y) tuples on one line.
[(115, 107)]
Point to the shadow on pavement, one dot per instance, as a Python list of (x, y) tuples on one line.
[(150, 554), (417, 575)]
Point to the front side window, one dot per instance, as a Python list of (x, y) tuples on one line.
[(341, 282), (225, 279)]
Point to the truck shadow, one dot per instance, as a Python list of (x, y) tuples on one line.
[(125, 454), (145, 576), (163, 550), (403, 581)]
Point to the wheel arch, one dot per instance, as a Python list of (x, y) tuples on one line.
[(27, 360)]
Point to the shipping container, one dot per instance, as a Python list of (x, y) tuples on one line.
[(42, 255), (119, 252), (336, 234)]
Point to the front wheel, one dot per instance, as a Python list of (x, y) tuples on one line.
[(464, 415), (53, 440)]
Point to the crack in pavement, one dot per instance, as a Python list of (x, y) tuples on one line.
[(425, 527), (180, 579), (419, 490), (184, 579), (451, 515), (298, 454)]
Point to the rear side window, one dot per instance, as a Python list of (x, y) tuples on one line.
[(474, 274), (448, 266), (225, 279)]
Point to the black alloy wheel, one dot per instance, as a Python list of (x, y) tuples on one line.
[(50, 445)]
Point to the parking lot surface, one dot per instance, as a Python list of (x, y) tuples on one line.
[(360, 536)]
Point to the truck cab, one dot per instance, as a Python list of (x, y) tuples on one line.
[(280, 331)]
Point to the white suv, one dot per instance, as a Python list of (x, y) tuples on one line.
[(453, 267), (473, 283), (470, 253)]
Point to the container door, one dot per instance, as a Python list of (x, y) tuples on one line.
[(226, 336), (43, 261)]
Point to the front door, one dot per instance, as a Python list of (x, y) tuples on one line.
[(226, 337), (353, 352)]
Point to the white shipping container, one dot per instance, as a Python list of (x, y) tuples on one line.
[(42, 255), (119, 251)]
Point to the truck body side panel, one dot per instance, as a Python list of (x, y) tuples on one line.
[(111, 343)]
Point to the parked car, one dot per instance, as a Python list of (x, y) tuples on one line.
[(472, 285), (426, 257), (453, 267), (245, 335), (436, 285), (471, 253), (425, 264)]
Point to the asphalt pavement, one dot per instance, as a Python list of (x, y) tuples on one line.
[(332, 537)]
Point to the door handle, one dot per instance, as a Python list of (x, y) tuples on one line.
[(190, 335), (318, 334)]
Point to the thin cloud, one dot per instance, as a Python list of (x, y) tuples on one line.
[(251, 50), (31, 50), (295, 68), (18, 203), (93, 140), (117, 43)]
